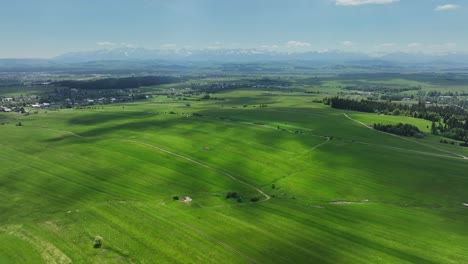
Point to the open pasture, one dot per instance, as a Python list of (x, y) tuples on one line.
[(314, 185)]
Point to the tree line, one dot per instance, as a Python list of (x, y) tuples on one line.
[(449, 121), (401, 129)]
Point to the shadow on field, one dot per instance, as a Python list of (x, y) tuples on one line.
[(121, 177), (104, 117)]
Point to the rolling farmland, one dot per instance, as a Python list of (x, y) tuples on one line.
[(314, 186)]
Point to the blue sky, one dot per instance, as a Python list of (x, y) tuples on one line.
[(46, 28)]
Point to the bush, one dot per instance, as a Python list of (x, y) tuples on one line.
[(234, 195), (98, 242), (255, 199)]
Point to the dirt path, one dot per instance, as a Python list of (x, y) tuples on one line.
[(409, 150), (407, 139), (267, 197), (312, 149)]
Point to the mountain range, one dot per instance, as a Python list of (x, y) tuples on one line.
[(250, 55), (148, 59)]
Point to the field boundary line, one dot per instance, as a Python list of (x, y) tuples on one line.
[(312, 149), (267, 197), (422, 144)]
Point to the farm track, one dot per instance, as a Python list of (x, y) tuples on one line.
[(312, 149), (422, 144), (455, 156), (267, 197)]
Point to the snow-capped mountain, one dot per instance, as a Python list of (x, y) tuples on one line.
[(249, 55), (205, 55)]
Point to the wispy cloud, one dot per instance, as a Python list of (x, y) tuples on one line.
[(126, 45), (269, 47), (387, 45), (363, 2), (297, 44), (216, 45), (414, 45), (109, 44), (169, 46), (347, 43), (442, 47), (446, 7), (105, 44)]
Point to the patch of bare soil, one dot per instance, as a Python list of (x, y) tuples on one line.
[(186, 199), (347, 202)]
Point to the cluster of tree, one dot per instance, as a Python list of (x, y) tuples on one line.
[(382, 89), (216, 87), (439, 93), (450, 121), (118, 83), (231, 194), (401, 129), (444, 141), (395, 97), (234, 195), (454, 133)]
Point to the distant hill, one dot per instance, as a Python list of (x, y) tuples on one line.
[(249, 55), (141, 59)]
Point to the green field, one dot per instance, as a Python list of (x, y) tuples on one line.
[(329, 189)]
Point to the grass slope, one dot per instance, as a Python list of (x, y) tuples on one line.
[(342, 193)]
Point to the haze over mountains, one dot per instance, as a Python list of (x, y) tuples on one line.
[(143, 58), (249, 55)]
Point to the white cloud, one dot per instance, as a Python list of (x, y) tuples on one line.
[(450, 45), (297, 44), (363, 2), (446, 7), (442, 47), (105, 43), (414, 45), (269, 47), (347, 43), (126, 45), (169, 46), (387, 45), (114, 44), (216, 45)]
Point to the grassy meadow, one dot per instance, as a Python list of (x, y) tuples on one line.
[(336, 191)]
